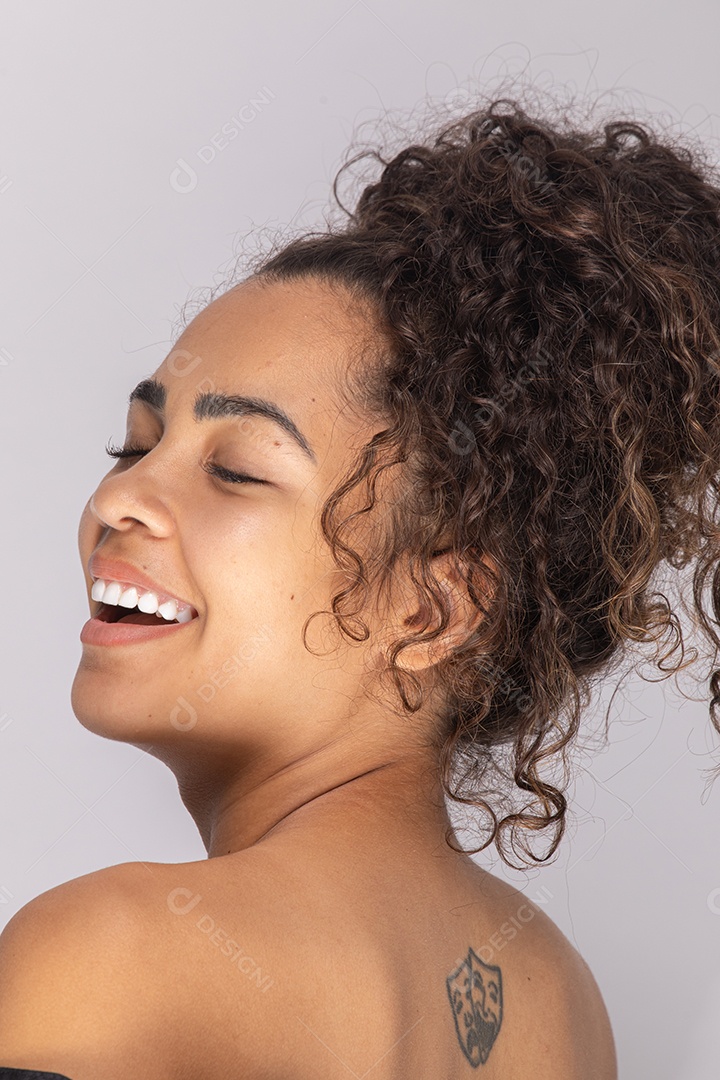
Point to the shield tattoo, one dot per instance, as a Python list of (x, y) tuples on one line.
[(475, 992)]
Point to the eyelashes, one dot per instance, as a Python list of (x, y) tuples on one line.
[(210, 467), (125, 451)]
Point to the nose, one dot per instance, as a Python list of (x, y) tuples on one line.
[(126, 500)]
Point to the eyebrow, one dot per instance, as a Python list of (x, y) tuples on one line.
[(214, 406)]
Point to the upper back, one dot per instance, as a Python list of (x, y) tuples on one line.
[(271, 963), (310, 972)]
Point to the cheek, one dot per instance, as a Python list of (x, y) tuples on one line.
[(250, 569)]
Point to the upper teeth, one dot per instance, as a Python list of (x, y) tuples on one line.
[(117, 594)]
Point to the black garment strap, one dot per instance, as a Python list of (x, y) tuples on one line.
[(7, 1073)]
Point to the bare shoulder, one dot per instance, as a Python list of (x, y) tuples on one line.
[(565, 1009), (556, 1018), (141, 964), (267, 927), (76, 993), (147, 963), (101, 906)]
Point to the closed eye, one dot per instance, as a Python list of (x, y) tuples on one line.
[(211, 467), (232, 477)]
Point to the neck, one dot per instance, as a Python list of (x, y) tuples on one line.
[(235, 809)]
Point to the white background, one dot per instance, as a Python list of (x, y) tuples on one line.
[(99, 102)]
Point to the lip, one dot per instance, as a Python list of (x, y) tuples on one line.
[(97, 632), (109, 569)]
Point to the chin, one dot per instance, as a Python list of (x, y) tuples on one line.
[(112, 713)]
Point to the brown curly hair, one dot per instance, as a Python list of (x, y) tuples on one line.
[(552, 296)]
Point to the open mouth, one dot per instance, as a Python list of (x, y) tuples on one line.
[(112, 613)]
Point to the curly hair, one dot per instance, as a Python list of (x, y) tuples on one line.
[(552, 296)]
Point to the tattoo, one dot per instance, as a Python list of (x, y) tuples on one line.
[(475, 992)]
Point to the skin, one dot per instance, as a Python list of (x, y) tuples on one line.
[(318, 801), (292, 725)]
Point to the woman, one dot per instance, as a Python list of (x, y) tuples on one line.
[(381, 519)]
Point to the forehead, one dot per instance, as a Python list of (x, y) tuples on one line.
[(300, 338), (298, 344)]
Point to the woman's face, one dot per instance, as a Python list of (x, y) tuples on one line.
[(248, 556)]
